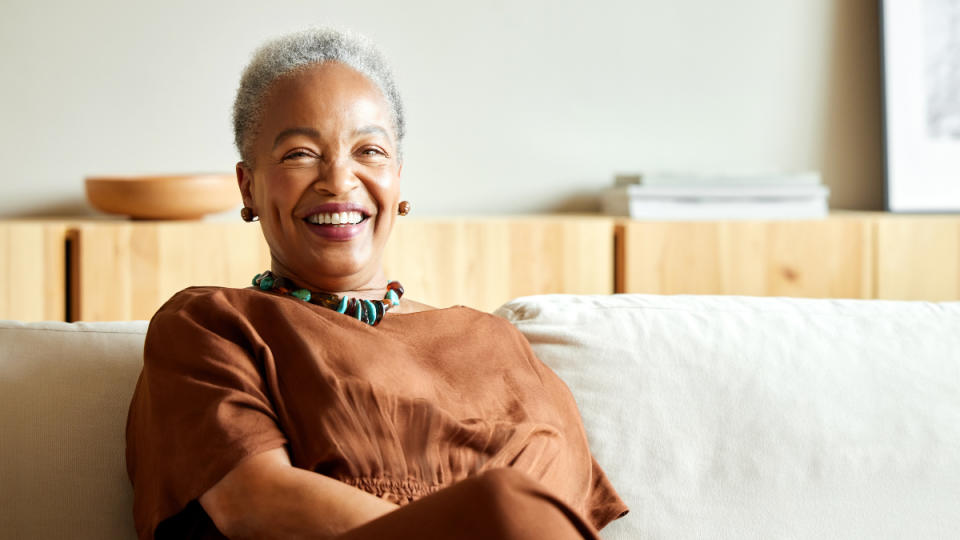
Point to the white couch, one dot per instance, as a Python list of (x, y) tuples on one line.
[(715, 417)]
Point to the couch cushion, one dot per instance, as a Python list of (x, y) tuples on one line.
[(734, 417), (64, 393)]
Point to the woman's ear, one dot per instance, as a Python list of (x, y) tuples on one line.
[(245, 183)]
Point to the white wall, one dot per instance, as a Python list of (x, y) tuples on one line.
[(512, 106)]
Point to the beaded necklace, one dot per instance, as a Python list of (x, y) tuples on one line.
[(368, 311)]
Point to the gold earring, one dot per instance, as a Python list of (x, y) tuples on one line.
[(246, 214), (404, 208)]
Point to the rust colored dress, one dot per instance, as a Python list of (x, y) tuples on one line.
[(401, 410)]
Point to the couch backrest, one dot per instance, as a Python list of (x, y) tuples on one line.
[(64, 393), (733, 417)]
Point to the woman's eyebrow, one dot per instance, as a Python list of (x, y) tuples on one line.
[(371, 129), (309, 132)]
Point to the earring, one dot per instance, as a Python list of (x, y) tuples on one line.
[(404, 208), (246, 214)]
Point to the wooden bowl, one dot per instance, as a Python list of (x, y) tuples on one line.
[(164, 197)]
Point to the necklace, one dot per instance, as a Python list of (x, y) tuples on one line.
[(368, 311)]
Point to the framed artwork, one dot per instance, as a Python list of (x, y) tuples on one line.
[(921, 80)]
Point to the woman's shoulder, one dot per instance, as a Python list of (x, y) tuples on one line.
[(209, 297), (221, 322), (211, 308)]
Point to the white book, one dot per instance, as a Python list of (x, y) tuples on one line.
[(667, 209), (810, 178), (714, 191)]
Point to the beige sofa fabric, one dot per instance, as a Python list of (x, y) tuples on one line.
[(737, 417), (64, 392)]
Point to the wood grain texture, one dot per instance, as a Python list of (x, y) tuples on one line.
[(918, 257), (484, 262), (127, 270), (33, 271), (829, 258)]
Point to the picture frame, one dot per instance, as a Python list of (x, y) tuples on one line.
[(921, 105)]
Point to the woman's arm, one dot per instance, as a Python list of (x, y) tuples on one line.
[(266, 497)]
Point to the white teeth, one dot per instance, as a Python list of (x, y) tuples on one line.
[(336, 218)]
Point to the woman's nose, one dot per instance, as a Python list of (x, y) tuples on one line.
[(336, 178)]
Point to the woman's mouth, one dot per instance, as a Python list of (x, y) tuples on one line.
[(338, 226), (336, 218)]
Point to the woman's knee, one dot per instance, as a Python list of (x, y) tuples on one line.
[(501, 481), (514, 505), (497, 490)]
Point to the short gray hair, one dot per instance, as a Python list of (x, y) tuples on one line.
[(291, 52)]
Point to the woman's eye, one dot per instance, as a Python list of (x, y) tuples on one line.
[(372, 151), (297, 154)]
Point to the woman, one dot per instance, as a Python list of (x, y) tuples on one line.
[(319, 403)]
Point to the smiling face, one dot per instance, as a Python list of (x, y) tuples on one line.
[(325, 178)]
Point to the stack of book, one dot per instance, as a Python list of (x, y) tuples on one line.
[(675, 196)]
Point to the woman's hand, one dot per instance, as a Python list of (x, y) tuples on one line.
[(266, 497)]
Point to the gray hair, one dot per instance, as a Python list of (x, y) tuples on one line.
[(292, 52)]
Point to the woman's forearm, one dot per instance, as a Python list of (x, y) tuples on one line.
[(265, 497)]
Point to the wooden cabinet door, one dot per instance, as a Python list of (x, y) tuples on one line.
[(484, 262), (126, 271), (33, 271), (829, 258), (918, 257)]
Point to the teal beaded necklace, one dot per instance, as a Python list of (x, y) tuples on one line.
[(368, 311)]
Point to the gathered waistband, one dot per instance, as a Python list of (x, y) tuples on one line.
[(391, 489)]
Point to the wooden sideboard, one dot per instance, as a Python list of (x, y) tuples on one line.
[(122, 270)]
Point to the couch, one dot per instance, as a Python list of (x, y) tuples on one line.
[(715, 417)]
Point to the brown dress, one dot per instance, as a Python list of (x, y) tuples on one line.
[(401, 410)]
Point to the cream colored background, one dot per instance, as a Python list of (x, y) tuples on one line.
[(514, 106)]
